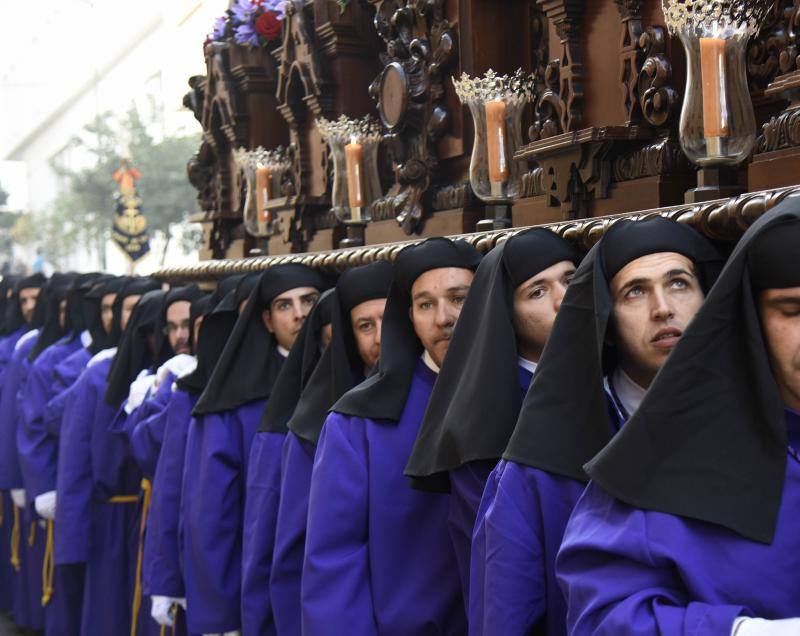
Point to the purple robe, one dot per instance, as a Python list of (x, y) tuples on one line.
[(147, 434), (629, 570), (379, 559), (290, 534), (517, 534), (93, 469), (213, 502), (27, 582), (65, 375), (260, 519), (467, 484)]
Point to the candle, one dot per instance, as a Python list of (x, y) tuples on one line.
[(496, 144), (715, 110), (354, 158), (263, 191)]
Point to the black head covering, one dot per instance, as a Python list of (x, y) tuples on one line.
[(709, 439), (7, 284), (48, 308), (14, 317), (250, 362), (341, 366), (218, 324), (564, 419), (189, 294), (297, 369), (201, 307), (476, 400), (133, 286), (76, 322), (383, 395), (91, 310), (136, 349)]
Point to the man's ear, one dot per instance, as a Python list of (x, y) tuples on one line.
[(267, 318), (411, 314)]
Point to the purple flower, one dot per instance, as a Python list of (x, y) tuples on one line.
[(246, 34), (220, 26), (243, 12), (278, 7)]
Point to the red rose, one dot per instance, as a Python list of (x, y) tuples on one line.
[(268, 26)]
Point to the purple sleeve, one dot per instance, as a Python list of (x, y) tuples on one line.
[(163, 572), (74, 475), (336, 596), (146, 439), (290, 534), (38, 450), (54, 412), (617, 580), (260, 517), (477, 567), (10, 474)]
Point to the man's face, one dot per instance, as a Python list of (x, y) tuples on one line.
[(107, 311), (62, 314), (198, 322), (367, 320), (287, 313), (437, 297), (536, 303), (27, 301), (178, 328), (655, 298), (780, 320), (128, 304), (325, 335)]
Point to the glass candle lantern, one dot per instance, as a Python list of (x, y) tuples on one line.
[(496, 103), (263, 172), (353, 145), (717, 126)]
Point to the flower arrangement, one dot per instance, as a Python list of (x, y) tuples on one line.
[(253, 23)]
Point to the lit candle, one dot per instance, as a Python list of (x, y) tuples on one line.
[(354, 157), (496, 144), (263, 192), (715, 110)]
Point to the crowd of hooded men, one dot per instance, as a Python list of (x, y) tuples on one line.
[(535, 442)]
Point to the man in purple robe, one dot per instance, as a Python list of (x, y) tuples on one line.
[(358, 306), (163, 571), (689, 525), (623, 312), (378, 556), (218, 444), (264, 469), (96, 510), (24, 581), (496, 345)]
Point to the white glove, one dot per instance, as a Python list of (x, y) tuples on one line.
[(45, 505), (18, 497), (744, 626), (139, 388), (161, 610), (179, 365)]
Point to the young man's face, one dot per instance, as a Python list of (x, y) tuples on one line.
[(437, 297), (27, 301), (177, 327), (780, 320), (536, 303), (287, 313), (127, 309), (62, 314), (107, 311), (654, 297), (367, 319)]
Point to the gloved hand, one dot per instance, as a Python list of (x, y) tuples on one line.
[(18, 497), (45, 505), (139, 388), (161, 610), (179, 365), (744, 626)]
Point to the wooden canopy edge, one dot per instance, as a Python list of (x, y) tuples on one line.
[(722, 219)]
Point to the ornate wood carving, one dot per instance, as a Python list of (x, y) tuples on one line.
[(660, 157), (420, 48)]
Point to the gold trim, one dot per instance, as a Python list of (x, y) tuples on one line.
[(723, 219)]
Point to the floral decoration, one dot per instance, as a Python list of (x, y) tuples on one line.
[(256, 23)]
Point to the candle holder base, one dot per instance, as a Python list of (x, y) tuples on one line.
[(355, 236), (714, 183), (498, 217)]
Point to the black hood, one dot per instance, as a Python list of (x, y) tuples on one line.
[(91, 306), (189, 294), (14, 318), (134, 286), (48, 306)]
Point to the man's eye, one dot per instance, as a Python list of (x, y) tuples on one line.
[(425, 306), (365, 326), (459, 300), (679, 283), (537, 293), (283, 306), (634, 292)]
